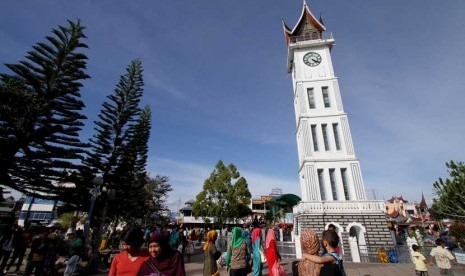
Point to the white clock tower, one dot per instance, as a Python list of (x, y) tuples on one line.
[(329, 172)]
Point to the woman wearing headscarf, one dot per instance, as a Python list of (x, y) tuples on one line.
[(211, 254), (129, 261), (237, 254), (246, 237), (272, 255), (163, 260), (256, 247), (310, 245), (174, 239)]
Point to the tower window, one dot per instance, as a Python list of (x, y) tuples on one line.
[(314, 138), (311, 98), (326, 96), (321, 182), (336, 136), (332, 179), (325, 136), (344, 183)]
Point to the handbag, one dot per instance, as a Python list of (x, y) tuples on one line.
[(262, 255), (217, 273), (278, 269)]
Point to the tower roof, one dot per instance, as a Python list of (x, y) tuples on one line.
[(307, 24), (423, 201)]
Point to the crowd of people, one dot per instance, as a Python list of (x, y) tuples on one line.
[(164, 251), (155, 251), (48, 253)]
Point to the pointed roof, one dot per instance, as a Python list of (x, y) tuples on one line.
[(423, 201), (306, 16), (399, 198)]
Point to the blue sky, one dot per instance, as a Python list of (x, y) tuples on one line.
[(215, 77)]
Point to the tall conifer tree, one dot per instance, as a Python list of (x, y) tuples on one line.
[(111, 156), (40, 114)]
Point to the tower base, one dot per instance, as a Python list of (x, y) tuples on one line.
[(362, 230)]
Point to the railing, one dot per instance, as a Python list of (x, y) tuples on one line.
[(310, 36), (397, 254), (286, 249), (338, 207), (367, 254)]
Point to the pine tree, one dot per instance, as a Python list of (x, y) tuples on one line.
[(40, 114), (112, 157), (131, 172)]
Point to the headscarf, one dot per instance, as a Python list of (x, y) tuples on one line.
[(174, 237), (211, 237), (169, 262), (271, 250), (236, 241), (310, 245), (246, 237), (270, 236), (163, 242), (236, 237), (256, 233)]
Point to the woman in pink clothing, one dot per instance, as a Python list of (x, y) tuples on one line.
[(272, 255), (129, 261)]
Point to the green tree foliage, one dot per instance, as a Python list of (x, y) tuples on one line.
[(155, 193), (119, 146), (457, 230), (221, 198), (131, 191), (40, 114), (451, 193)]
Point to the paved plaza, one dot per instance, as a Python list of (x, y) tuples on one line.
[(195, 268)]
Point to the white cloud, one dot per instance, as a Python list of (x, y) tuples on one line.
[(155, 82)]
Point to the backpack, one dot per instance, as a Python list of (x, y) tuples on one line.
[(392, 254), (339, 262)]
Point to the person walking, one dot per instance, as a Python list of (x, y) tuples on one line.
[(442, 256), (190, 250), (330, 261), (129, 261), (310, 245), (238, 254), (6, 243), (163, 260), (419, 261), (272, 255), (257, 252), (36, 257), (211, 254), (19, 250)]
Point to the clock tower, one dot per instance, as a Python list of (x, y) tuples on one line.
[(330, 178)]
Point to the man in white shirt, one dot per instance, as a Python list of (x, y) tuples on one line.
[(443, 257)]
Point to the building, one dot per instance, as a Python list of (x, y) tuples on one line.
[(400, 210), (276, 205), (330, 177), (38, 212)]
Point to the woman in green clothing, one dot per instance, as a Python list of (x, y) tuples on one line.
[(210, 267), (238, 254)]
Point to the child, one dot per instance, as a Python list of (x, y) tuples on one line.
[(332, 264), (443, 257), (419, 261)]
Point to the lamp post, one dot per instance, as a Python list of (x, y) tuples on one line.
[(95, 192)]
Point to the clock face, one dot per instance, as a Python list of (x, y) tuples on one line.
[(312, 59)]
